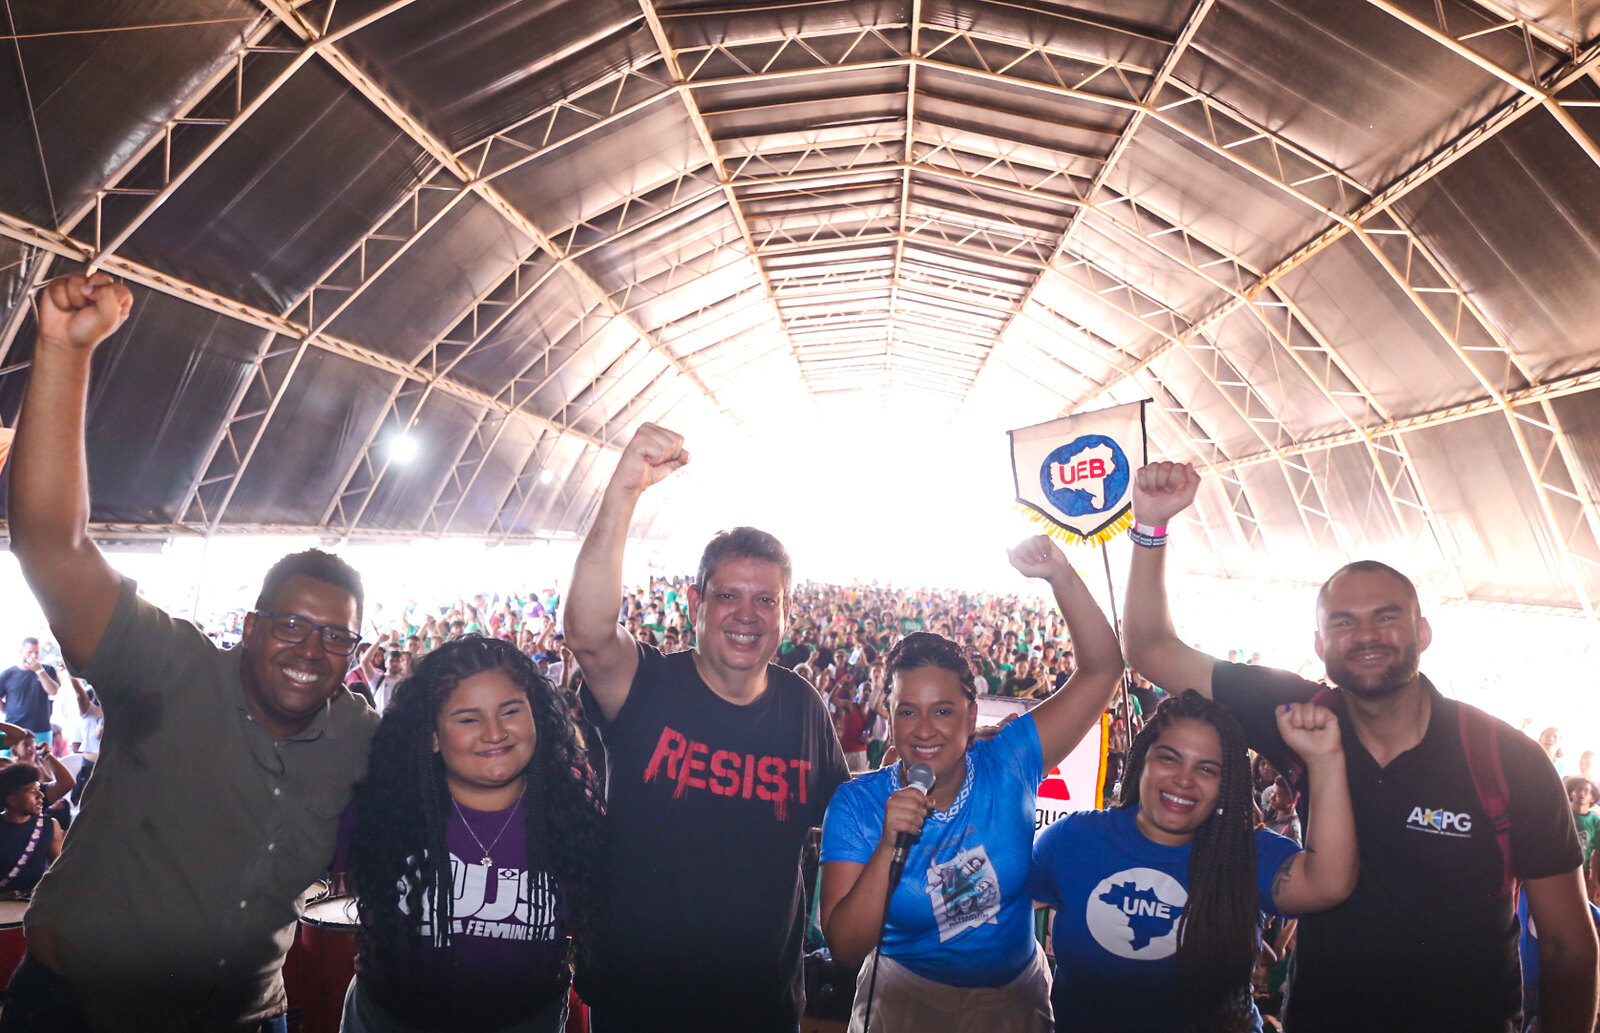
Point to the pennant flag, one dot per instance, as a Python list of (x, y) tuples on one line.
[(1074, 476)]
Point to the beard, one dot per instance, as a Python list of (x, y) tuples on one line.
[(1381, 684)]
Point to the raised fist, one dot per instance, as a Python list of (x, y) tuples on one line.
[(653, 453), (1039, 556), (1309, 730), (1163, 490), (81, 311)]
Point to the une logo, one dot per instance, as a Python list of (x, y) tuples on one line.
[(1136, 906)]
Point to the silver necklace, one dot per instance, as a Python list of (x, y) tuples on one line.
[(488, 860)]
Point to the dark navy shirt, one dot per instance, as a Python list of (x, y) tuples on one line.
[(27, 704)]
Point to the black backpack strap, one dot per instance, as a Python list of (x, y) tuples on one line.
[(1480, 737)]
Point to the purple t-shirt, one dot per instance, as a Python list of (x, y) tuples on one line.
[(508, 931)]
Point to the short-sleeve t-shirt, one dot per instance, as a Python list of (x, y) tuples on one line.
[(27, 703), (1428, 916), (1119, 896), (507, 956), (960, 914), (1588, 826), (708, 807)]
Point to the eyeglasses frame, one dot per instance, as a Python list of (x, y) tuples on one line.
[(321, 630)]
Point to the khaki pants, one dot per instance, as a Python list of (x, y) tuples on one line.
[(908, 1003)]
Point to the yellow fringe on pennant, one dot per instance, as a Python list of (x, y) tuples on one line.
[(1071, 537)]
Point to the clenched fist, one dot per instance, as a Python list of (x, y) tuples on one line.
[(652, 454), (1309, 730), (81, 311), (1040, 557), (1163, 490)]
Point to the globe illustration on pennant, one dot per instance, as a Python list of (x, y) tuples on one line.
[(1087, 475)]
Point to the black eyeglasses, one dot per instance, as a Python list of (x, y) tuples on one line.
[(293, 628)]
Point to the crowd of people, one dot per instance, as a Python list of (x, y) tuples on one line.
[(523, 791)]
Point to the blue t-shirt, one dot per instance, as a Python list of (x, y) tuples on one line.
[(1119, 896), (961, 913)]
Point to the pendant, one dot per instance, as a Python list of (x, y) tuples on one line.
[(488, 862)]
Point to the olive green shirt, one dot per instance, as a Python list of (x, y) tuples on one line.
[(175, 897)]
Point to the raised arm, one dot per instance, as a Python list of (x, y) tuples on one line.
[(1324, 873), (1064, 718), (373, 660), (1160, 492), (86, 706), (62, 780), (48, 503), (604, 650)]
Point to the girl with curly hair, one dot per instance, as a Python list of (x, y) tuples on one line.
[(473, 845), (1159, 899)]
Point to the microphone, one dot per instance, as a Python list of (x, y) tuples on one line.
[(918, 777)]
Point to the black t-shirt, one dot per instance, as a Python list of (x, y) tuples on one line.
[(1014, 686), (795, 655), (708, 807), (1427, 941)]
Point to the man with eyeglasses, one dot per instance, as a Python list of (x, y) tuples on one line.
[(222, 773)]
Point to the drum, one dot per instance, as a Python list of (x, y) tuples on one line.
[(577, 1013), (291, 963), (12, 945), (322, 962)]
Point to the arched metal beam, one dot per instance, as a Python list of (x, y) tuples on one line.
[(703, 133), (326, 48), (1439, 33)]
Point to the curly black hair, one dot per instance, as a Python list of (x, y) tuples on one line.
[(403, 803), (1217, 933), (16, 777)]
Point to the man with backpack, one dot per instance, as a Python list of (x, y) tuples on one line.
[(1453, 809)]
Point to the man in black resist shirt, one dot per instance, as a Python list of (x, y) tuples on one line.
[(718, 763), (1428, 940)]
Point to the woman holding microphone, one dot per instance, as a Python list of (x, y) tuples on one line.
[(958, 946)]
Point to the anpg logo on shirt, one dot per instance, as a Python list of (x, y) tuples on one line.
[(1134, 914), (1088, 474), (1457, 824)]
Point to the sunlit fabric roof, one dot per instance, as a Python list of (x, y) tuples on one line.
[(1349, 248)]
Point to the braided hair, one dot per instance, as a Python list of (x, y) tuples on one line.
[(403, 804), (924, 649), (1217, 933)]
